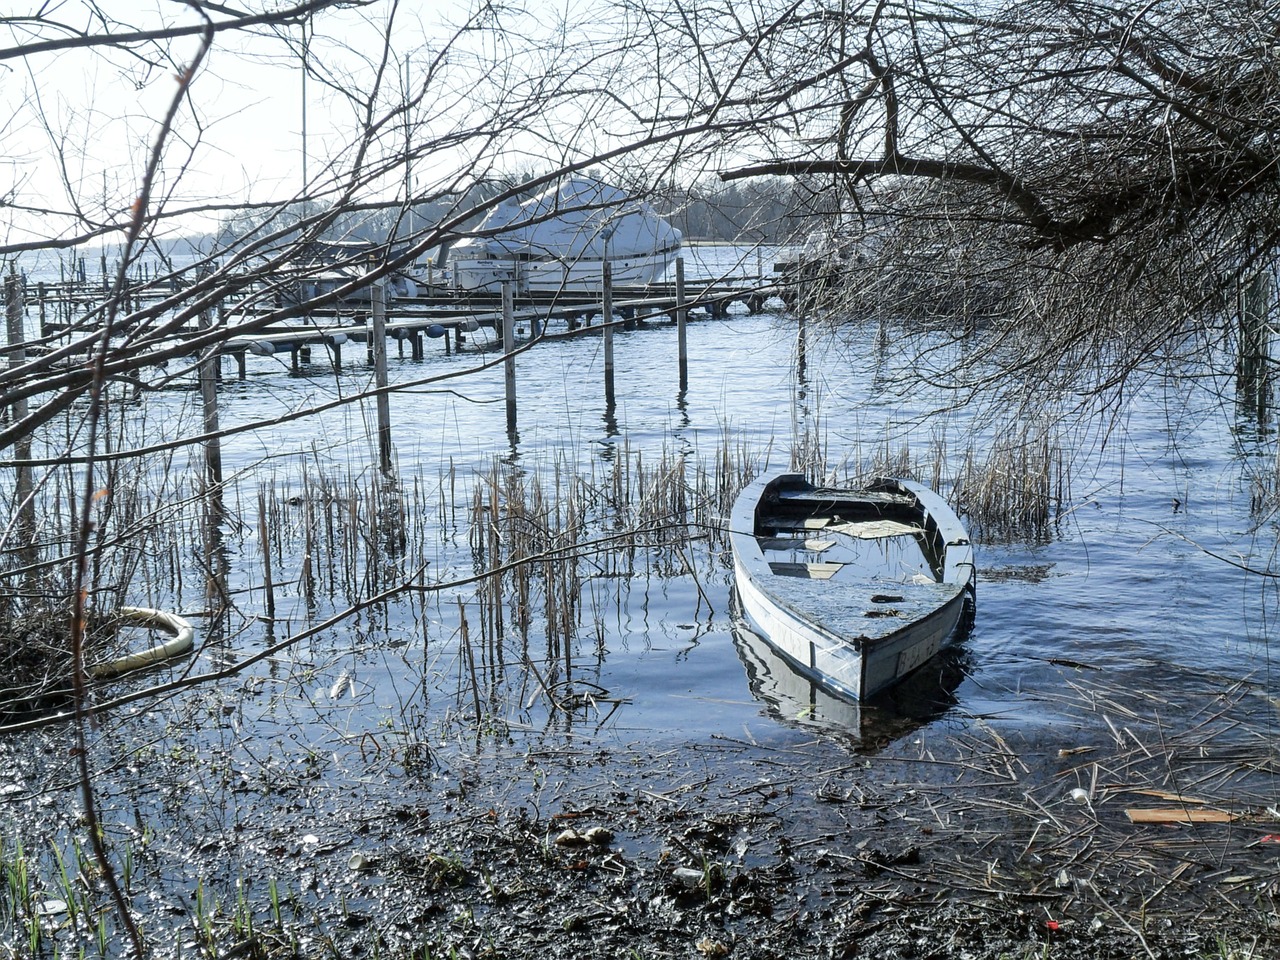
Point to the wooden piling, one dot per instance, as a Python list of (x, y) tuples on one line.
[(264, 538), (802, 357), (24, 489), (607, 307), (1253, 356), (509, 345), (682, 322), (210, 360), (378, 336)]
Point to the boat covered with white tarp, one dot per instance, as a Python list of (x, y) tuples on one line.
[(559, 241)]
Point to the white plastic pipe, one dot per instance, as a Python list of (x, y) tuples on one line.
[(182, 639)]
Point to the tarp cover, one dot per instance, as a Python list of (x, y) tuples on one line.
[(575, 221)]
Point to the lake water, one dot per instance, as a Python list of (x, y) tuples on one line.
[(1140, 582), (1138, 590)]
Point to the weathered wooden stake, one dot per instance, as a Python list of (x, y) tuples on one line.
[(268, 584), (209, 363), (682, 322), (1253, 361), (509, 345), (379, 337), (25, 507), (607, 276), (801, 351)]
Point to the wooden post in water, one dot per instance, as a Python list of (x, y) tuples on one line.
[(264, 537), (607, 306), (682, 323), (508, 346), (210, 360), (802, 357), (378, 337), (1252, 360), (24, 489)]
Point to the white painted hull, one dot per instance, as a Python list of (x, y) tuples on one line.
[(487, 275)]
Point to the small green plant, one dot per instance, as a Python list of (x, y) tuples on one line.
[(101, 934), (712, 876), (242, 919), (205, 910), (64, 880), (273, 891)]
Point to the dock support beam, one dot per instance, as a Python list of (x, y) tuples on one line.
[(210, 361), (1253, 380), (24, 507), (509, 346), (607, 306), (378, 338), (682, 323)]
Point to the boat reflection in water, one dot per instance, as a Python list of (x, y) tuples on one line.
[(919, 698)]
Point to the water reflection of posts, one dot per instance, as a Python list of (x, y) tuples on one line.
[(509, 346), (25, 507), (607, 309), (682, 321), (378, 335)]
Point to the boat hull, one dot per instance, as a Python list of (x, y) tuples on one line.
[(857, 634), (559, 241), (488, 274)]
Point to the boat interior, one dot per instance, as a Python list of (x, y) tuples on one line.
[(879, 537)]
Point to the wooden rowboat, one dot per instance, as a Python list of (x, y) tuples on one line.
[(856, 588)]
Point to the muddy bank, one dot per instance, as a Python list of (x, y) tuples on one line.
[(956, 849), (957, 841)]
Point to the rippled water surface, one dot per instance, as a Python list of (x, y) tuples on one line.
[(365, 720), (1141, 582)]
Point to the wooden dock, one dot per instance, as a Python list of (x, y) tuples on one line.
[(416, 320), (249, 321), (441, 314)]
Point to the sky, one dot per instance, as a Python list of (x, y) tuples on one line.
[(78, 126), (497, 90)]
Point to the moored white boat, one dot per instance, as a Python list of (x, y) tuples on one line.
[(855, 588), (560, 240)]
